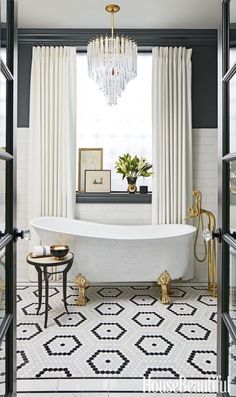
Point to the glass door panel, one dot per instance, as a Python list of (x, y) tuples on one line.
[(8, 47), (3, 27), (232, 285), (232, 32), (227, 199), (232, 110), (2, 368), (3, 91), (232, 368), (2, 284), (2, 195)]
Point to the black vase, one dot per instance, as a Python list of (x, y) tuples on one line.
[(132, 188)]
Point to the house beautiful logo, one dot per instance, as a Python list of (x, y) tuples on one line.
[(212, 384)]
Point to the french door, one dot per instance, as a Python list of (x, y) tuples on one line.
[(8, 234), (227, 199)]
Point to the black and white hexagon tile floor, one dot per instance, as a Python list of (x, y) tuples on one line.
[(122, 332)]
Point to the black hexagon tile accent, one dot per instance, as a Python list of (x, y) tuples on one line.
[(154, 345), (75, 288), (143, 300), (109, 309), (193, 331), (62, 345), (213, 317), (182, 309), (27, 331), (177, 292), (70, 320), (157, 373), (109, 292), (148, 319), (109, 362), (51, 372), (200, 288), (204, 361), (207, 300), (108, 331), (22, 359), (144, 288), (31, 309), (18, 298), (52, 292)]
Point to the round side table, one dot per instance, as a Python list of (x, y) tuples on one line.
[(41, 265)]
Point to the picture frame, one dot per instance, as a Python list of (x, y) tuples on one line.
[(97, 181), (89, 159)]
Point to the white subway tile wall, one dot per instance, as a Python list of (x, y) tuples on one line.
[(204, 178)]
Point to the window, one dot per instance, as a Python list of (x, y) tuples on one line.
[(118, 129)]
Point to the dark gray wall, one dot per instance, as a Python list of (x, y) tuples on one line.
[(204, 63)]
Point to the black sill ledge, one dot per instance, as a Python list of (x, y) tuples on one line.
[(113, 198)]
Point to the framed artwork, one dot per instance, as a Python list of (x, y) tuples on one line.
[(89, 159), (97, 181)]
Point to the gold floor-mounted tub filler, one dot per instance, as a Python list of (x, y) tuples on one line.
[(209, 244)]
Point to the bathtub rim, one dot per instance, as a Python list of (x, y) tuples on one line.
[(189, 230)]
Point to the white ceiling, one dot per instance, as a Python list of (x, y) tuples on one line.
[(195, 14)]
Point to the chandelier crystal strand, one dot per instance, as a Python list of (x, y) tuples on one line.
[(112, 62)]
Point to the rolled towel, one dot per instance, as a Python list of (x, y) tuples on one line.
[(41, 250)]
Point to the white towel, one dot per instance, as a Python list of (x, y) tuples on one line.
[(41, 250)]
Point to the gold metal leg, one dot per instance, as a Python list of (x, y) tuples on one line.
[(82, 284), (164, 282)]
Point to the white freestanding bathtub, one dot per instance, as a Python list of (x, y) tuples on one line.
[(114, 253)]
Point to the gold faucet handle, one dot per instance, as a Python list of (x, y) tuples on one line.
[(197, 193), (193, 212)]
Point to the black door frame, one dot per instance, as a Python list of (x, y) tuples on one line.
[(225, 324), (9, 71)]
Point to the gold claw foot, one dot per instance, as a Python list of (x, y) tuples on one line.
[(82, 284), (164, 282)]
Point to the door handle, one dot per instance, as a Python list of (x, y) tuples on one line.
[(23, 234), (2, 234), (210, 235)]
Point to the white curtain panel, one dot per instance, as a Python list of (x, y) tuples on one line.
[(172, 134), (52, 143)]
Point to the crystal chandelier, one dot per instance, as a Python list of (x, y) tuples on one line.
[(112, 61)]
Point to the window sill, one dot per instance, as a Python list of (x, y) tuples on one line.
[(113, 198)]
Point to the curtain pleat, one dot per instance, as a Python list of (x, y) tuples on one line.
[(52, 143), (172, 134)]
